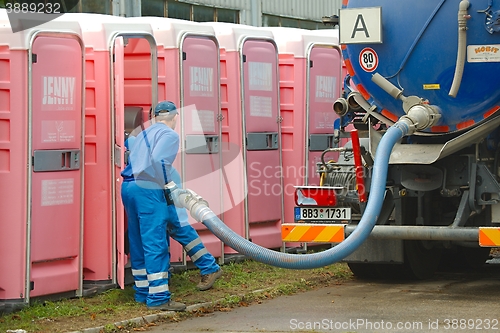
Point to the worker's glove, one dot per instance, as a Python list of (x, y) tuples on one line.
[(171, 193)]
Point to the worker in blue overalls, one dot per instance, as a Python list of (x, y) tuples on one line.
[(147, 198), (182, 231)]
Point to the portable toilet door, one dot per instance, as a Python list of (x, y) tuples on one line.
[(324, 86), (262, 152), (41, 112), (201, 156), (134, 73), (56, 174)]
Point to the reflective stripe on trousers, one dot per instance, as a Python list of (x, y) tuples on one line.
[(189, 239)]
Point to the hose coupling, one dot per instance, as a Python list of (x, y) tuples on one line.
[(421, 117), (191, 201)]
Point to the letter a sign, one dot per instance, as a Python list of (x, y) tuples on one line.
[(360, 25)]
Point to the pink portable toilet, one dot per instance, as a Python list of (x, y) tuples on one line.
[(120, 87), (310, 63), (251, 122), (188, 75), (41, 162)]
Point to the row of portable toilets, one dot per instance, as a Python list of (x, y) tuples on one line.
[(256, 114)]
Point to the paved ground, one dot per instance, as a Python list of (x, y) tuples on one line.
[(452, 302)]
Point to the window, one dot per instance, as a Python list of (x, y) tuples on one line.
[(198, 13), (270, 21), (203, 14), (227, 15), (96, 6), (280, 21), (77, 8), (153, 8), (67, 6), (310, 25), (290, 23), (178, 10)]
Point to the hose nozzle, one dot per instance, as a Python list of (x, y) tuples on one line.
[(191, 201)]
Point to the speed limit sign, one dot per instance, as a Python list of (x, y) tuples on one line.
[(368, 59)]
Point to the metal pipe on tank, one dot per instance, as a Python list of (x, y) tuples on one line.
[(429, 233), (463, 16), (387, 86)]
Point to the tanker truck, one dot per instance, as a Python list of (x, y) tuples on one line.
[(433, 69), (413, 178)]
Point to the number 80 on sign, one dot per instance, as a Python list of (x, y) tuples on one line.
[(368, 59)]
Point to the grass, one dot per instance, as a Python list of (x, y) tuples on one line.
[(242, 283)]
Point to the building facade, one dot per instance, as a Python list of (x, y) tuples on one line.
[(286, 13)]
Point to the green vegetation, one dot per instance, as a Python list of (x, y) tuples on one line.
[(242, 284)]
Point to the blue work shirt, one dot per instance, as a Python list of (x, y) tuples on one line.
[(152, 154)]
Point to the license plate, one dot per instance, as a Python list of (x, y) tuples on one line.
[(322, 213)]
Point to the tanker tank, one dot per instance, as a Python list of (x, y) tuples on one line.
[(444, 52)]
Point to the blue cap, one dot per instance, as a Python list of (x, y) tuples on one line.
[(165, 108)]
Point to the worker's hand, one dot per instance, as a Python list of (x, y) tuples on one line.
[(172, 191)]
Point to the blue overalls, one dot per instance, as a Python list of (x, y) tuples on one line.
[(147, 211)]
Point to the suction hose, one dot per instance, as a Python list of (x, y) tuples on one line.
[(200, 211)]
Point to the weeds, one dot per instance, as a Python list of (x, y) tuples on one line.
[(241, 285)]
